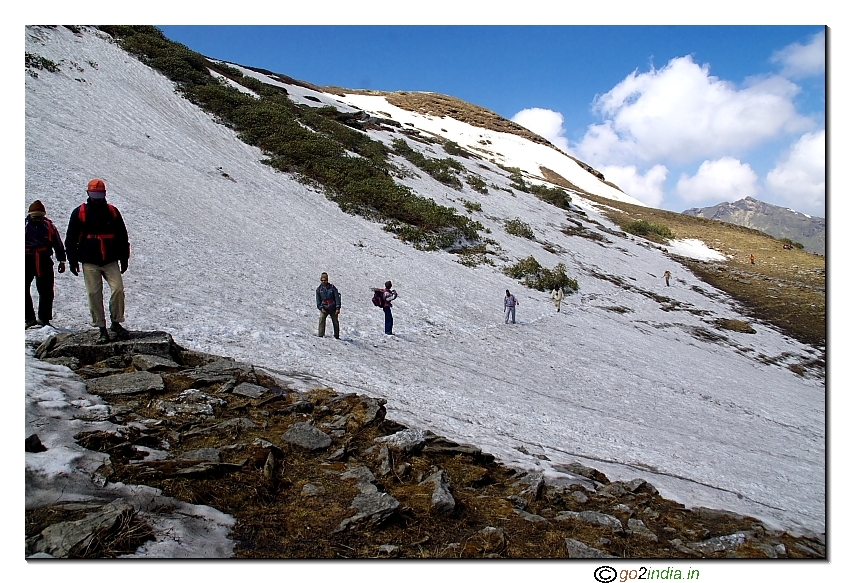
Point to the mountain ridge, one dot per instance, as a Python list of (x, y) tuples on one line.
[(776, 221)]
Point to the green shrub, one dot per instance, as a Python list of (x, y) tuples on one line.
[(32, 61), (554, 196), (442, 169), (535, 276), (646, 229), (476, 184), (313, 143), (518, 228), (471, 206), (454, 149), (797, 245)]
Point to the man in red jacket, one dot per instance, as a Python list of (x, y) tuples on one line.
[(41, 240), (97, 239)]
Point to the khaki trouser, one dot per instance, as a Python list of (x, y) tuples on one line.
[(334, 318), (94, 276)]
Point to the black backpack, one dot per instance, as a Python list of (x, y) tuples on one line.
[(378, 298)]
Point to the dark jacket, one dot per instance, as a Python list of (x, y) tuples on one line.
[(328, 298), (41, 240), (101, 238)]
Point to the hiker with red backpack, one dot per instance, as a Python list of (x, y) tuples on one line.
[(41, 239), (329, 302), (97, 239), (383, 298)]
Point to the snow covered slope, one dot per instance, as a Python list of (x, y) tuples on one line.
[(631, 377)]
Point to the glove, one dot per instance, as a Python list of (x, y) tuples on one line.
[(61, 268), (74, 267), (123, 265)]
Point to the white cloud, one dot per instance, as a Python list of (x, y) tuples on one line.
[(799, 61), (799, 178), (723, 180), (545, 123), (680, 113), (647, 188)]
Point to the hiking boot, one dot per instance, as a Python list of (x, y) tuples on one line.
[(30, 324), (119, 330), (43, 322), (104, 336)]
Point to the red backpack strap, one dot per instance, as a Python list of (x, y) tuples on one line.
[(82, 213)]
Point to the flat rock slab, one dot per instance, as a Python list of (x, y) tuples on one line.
[(153, 363), (250, 390), (306, 436), (83, 346), (579, 550), (131, 383), (68, 539)]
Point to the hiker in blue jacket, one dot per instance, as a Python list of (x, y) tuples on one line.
[(388, 295), (41, 239), (329, 302)]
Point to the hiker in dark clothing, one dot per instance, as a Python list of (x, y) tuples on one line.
[(97, 238), (329, 303), (510, 307), (667, 276), (388, 294), (41, 240)]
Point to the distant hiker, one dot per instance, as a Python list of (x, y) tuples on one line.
[(97, 238), (329, 303), (557, 296), (510, 307), (383, 298), (41, 239), (752, 259), (667, 276)]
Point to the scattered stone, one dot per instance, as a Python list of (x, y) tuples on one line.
[(307, 436), (270, 467), (518, 501), (580, 470), (809, 552), (579, 497), (83, 346), (131, 383), (372, 508), (728, 542), (592, 517), (491, 539), (529, 516), (310, 490), (579, 550), (389, 550), (638, 528), (442, 502), (236, 425), (69, 361), (33, 444), (206, 454), (71, 539)]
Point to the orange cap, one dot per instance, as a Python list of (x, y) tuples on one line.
[(96, 185)]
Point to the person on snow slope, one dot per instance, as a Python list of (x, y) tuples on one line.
[(41, 239)]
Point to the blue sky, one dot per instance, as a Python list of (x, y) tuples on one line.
[(677, 116)]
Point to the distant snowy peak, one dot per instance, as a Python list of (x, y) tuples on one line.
[(776, 221)]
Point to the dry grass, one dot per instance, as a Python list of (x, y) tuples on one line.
[(786, 288)]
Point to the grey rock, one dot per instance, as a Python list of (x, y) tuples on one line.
[(389, 550), (270, 467), (712, 514), (808, 551), (580, 470), (535, 483), (384, 460), (69, 539), (250, 390), (131, 383), (172, 409), (33, 444), (579, 550), (84, 348), (153, 363), (207, 454), (236, 424), (579, 497), (638, 528), (592, 517), (442, 501), (404, 441), (69, 361), (491, 539), (310, 490), (615, 489), (728, 542), (372, 509), (529, 516), (518, 502), (307, 436)]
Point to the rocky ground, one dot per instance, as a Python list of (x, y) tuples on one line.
[(316, 474)]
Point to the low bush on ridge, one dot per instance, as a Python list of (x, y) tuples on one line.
[(650, 230)]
